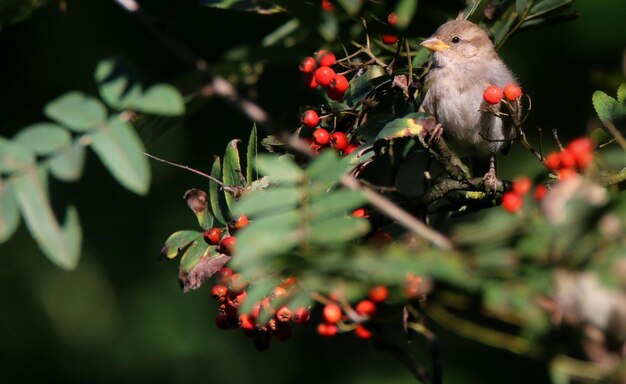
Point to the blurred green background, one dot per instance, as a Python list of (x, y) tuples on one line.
[(121, 317)]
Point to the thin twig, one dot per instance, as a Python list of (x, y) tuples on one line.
[(407, 46), (192, 170), (406, 359), (616, 133)]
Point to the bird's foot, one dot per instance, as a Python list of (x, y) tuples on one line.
[(490, 182), (434, 134)]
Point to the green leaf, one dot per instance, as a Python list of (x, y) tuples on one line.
[(476, 12), (261, 288), (352, 7), (121, 151), (192, 255), (412, 124), (160, 99), (178, 241), (545, 7), (43, 139), (13, 157), (215, 195), (279, 168), (68, 165), (231, 172), (325, 171), (251, 155), (117, 82), (9, 213), (77, 111), (521, 6), (198, 202), (270, 201), (337, 229), (621, 93), (261, 7), (405, 11), (604, 105), (60, 244), (335, 203)]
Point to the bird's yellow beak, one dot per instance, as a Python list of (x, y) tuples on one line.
[(434, 44)]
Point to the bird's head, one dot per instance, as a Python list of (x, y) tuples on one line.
[(459, 41)]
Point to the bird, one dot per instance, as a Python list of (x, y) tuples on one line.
[(464, 63)]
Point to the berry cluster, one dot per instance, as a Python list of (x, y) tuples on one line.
[(494, 94), (320, 73), (322, 138), (336, 318), (389, 39), (575, 157)]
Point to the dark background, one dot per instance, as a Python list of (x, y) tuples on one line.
[(121, 317)]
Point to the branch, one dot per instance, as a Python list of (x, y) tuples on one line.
[(406, 359)]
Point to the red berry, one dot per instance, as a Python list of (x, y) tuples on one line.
[(339, 83), (246, 322), (521, 185), (392, 19), (310, 118), (324, 75), (566, 173), (327, 6), (366, 308), (390, 39), (325, 58), (213, 235), (301, 315), (237, 284), (288, 282), (540, 192), (582, 149), (224, 275), (335, 95), (256, 310), (512, 91), (332, 313), (236, 299), (282, 332), (512, 202), (321, 136), (493, 94), (283, 314), (553, 161), (568, 160), (310, 81), (378, 293), (351, 148), (361, 213), (227, 245), (241, 222), (339, 141), (219, 292), (362, 333), (584, 159), (308, 65), (327, 330)]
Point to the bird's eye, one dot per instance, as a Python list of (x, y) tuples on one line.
[(455, 39)]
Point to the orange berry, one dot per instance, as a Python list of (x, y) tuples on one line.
[(521, 185), (568, 159), (378, 293), (540, 192), (284, 314), (512, 202), (332, 313), (325, 58), (361, 212), (326, 330), (366, 308), (301, 315), (493, 94), (392, 19), (512, 91), (553, 161), (219, 292), (566, 173), (362, 333)]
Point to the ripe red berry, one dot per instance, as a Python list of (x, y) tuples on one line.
[(310, 81), (582, 149), (584, 159), (326, 330), (321, 136), (310, 118), (227, 245), (378, 293), (335, 95), (256, 310), (277, 293), (339, 141), (283, 314), (568, 160), (213, 235), (325, 58), (224, 275), (301, 315), (361, 213), (540, 192), (219, 292), (339, 83), (566, 173), (521, 185), (246, 322), (327, 6), (237, 223), (324, 75), (512, 91), (392, 19), (288, 282), (390, 39), (553, 161), (362, 333), (493, 94), (237, 284), (332, 313), (350, 148), (366, 308), (512, 202), (282, 332), (236, 299), (308, 65)]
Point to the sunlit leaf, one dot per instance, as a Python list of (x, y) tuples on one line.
[(61, 244), (337, 229), (121, 151), (77, 111), (281, 169), (232, 174), (43, 138), (405, 10), (117, 82), (412, 124), (251, 156), (179, 241), (9, 213), (256, 292), (270, 201), (193, 253), (13, 157), (160, 99), (621, 94), (544, 7), (335, 203), (68, 165), (215, 194)]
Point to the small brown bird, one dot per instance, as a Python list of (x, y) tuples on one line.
[(464, 63)]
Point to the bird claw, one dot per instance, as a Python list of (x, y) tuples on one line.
[(490, 182), (435, 133)]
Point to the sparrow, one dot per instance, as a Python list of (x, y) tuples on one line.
[(464, 63)]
